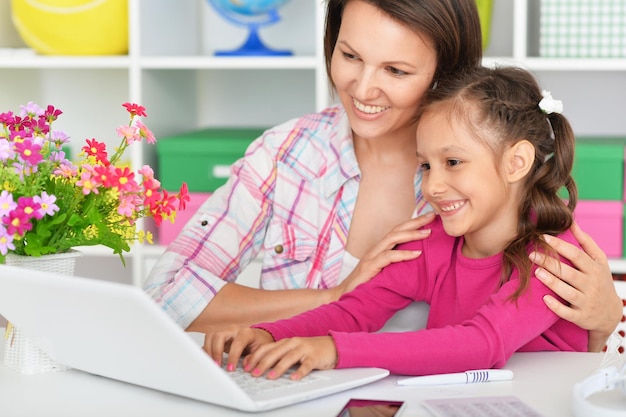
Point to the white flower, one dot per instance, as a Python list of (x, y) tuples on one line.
[(549, 105)]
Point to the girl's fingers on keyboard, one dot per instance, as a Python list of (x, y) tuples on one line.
[(310, 353), (247, 340)]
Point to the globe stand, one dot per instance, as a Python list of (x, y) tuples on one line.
[(253, 46)]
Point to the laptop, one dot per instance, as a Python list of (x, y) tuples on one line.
[(117, 331)]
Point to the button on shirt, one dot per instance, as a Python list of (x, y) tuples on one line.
[(290, 197)]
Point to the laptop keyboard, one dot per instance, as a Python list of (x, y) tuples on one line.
[(261, 385)]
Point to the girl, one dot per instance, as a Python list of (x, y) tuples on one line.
[(493, 155)]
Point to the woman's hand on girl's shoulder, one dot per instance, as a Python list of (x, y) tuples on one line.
[(384, 252), (591, 301)]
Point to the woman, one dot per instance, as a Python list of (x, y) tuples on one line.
[(323, 191)]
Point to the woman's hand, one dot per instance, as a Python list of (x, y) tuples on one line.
[(235, 340), (587, 287), (384, 254), (310, 352)]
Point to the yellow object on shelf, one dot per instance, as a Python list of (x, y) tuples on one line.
[(73, 27), (485, 8)]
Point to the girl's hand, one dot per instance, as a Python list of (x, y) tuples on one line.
[(587, 287), (384, 254), (310, 352), (236, 341)]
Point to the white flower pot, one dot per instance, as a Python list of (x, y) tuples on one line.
[(19, 352)]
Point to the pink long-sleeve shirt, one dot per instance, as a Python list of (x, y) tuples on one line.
[(472, 324)]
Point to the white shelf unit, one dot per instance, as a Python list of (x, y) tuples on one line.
[(591, 89), (171, 69)]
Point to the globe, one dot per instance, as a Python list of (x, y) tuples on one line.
[(253, 14)]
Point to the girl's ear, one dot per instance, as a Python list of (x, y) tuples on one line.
[(519, 159)]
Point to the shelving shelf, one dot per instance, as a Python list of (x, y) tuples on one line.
[(561, 64), (171, 70), (23, 61), (618, 266)]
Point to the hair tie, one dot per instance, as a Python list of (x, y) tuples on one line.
[(549, 105)]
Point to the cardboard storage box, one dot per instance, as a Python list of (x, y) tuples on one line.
[(582, 28), (604, 222), (169, 231), (599, 168), (202, 158)]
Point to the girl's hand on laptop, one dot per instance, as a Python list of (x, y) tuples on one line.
[(276, 358), (236, 341)]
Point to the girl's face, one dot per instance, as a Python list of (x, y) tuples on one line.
[(464, 185), (381, 70)]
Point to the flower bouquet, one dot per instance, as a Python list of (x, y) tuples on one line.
[(49, 204)]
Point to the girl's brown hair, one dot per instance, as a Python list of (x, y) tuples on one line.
[(453, 26), (501, 107)]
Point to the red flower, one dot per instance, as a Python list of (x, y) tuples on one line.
[(51, 114), (183, 197), (125, 179), (97, 150), (105, 175), (135, 109)]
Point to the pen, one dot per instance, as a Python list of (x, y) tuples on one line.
[(468, 377)]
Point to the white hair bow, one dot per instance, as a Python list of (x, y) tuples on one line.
[(549, 105)]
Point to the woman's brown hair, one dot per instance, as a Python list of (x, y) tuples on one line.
[(453, 26)]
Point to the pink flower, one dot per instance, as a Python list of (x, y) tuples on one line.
[(17, 222), (6, 150), (59, 138), (46, 204), (126, 206), (29, 151), (66, 170), (146, 172), (30, 207), (129, 133), (6, 241), (6, 203), (144, 132), (31, 110), (86, 182)]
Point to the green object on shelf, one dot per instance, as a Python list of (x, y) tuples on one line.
[(599, 168), (485, 9), (202, 158)]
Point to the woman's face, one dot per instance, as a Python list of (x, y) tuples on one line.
[(381, 70)]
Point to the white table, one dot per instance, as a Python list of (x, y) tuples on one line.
[(543, 380)]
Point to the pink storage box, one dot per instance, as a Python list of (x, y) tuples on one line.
[(169, 231), (603, 221)]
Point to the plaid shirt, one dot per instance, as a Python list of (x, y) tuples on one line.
[(290, 197)]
